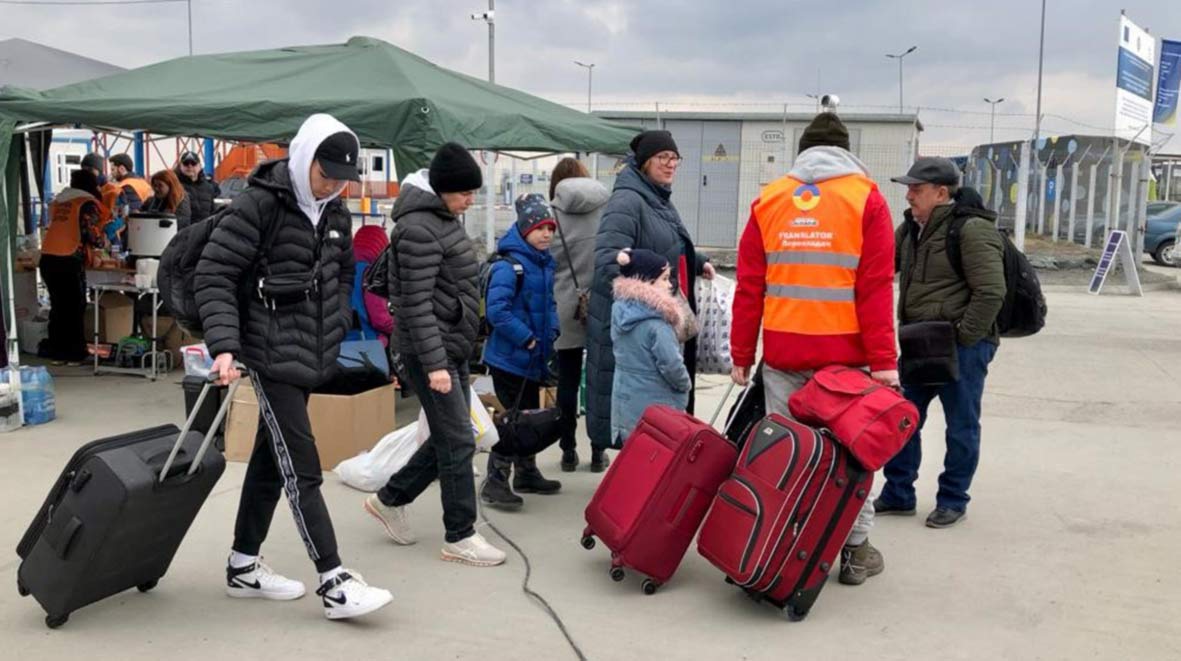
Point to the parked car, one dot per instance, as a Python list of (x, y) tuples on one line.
[(1161, 235)]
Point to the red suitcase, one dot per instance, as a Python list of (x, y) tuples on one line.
[(655, 494), (777, 525)]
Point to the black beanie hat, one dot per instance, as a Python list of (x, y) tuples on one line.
[(650, 143), (640, 263), (453, 170), (826, 130)]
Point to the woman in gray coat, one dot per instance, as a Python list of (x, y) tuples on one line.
[(577, 201)]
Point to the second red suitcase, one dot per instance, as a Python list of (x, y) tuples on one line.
[(778, 524), (655, 494)]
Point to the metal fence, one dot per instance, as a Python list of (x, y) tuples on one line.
[(1070, 188)]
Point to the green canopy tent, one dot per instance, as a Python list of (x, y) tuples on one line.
[(388, 96)]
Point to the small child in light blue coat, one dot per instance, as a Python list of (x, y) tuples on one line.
[(648, 328)]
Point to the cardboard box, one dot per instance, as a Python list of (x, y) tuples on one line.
[(172, 336), (344, 425), (115, 314), (549, 398)]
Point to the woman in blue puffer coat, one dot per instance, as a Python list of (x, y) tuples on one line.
[(523, 315)]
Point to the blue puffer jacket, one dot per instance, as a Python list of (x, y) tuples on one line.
[(646, 329), (519, 317)]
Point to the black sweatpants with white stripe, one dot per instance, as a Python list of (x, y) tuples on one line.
[(284, 462)]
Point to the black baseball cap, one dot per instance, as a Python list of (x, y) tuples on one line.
[(931, 170), (190, 157), (337, 155), (124, 160)]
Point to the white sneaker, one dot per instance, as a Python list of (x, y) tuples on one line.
[(475, 551), (348, 595), (258, 581), (393, 519)]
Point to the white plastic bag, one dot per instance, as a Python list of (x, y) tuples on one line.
[(715, 316), (369, 471), (482, 427)]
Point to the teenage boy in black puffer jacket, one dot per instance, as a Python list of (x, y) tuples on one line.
[(435, 301), (289, 345)]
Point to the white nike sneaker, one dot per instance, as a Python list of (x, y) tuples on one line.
[(348, 595), (258, 581), (393, 519), (475, 551)]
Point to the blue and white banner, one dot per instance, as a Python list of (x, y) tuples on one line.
[(1133, 83), (1168, 84)]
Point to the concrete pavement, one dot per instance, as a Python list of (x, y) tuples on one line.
[(1068, 552)]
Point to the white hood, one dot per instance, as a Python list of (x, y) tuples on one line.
[(824, 163), (301, 154), (420, 180)]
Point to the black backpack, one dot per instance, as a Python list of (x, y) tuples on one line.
[(485, 279), (178, 268), (1024, 310)]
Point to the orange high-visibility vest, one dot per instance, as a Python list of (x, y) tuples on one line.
[(142, 188), (812, 237), (63, 238), (111, 192)]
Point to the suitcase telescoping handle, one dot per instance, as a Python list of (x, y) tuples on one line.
[(184, 431), (722, 404)]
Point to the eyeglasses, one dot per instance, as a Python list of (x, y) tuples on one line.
[(668, 159), (190, 164)]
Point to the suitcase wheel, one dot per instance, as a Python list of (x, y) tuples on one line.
[(21, 589), (588, 542), (54, 622), (793, 614), (650, 586), (145, 587), (617, 574)]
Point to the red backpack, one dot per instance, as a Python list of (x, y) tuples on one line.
[(871, 420)]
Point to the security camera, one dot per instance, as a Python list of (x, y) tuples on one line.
[(830, 102), (484, 16)]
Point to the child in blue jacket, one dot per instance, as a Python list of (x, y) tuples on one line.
[(648, 327), (523, 316)]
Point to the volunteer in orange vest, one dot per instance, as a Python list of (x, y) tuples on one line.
[(108, 191), (816, 270), (74, 226), (133, 191)]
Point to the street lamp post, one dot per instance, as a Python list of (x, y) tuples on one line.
[(489, 17), (815, 97), (590, 73), (992, 121), (899, 57)]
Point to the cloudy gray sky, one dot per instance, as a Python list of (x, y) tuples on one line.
[(753, 54)]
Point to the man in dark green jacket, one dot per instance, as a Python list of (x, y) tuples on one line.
[(931, 289)]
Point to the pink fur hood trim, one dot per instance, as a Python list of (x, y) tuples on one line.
[(655, 297)]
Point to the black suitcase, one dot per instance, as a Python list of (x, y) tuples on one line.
[(116, 516), (205, 414), (748, 411)]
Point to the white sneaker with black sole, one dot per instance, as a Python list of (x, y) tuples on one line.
[(258, 581), (348, 595)]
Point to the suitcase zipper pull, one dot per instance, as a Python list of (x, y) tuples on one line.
[(695, 451)]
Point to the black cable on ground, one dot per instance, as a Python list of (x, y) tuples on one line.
[(545, 605)]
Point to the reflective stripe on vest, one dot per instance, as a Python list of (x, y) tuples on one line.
[(812, 238)]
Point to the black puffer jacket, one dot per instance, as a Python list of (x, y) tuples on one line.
[(201, 192), (434, 282), (297, 343)]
